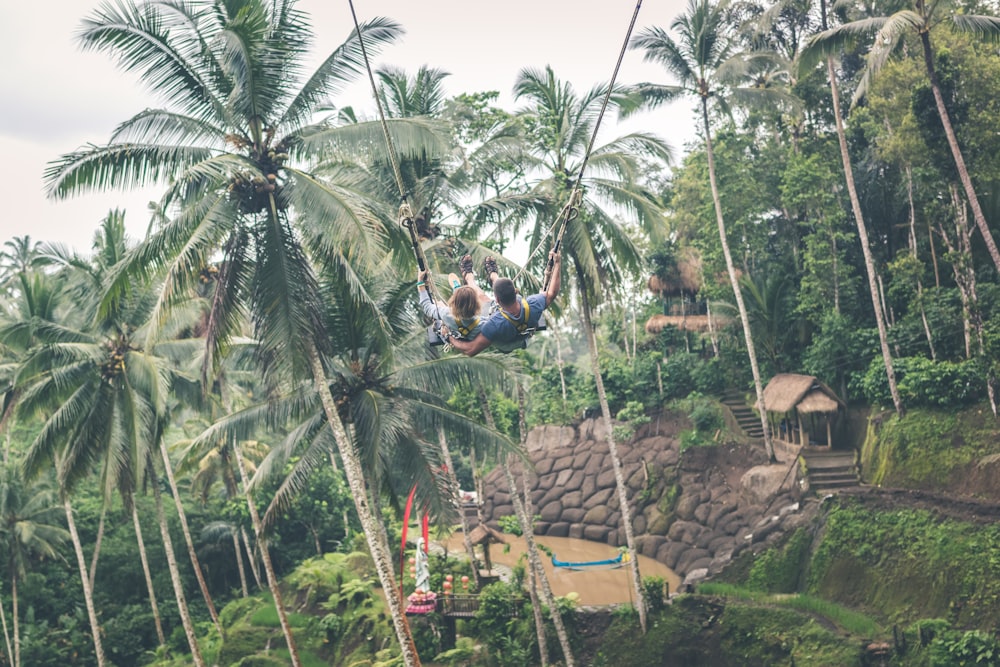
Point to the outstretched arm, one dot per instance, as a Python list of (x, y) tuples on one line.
[(556, 279), (470, 348)]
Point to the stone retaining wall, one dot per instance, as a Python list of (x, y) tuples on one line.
[(693, 512)]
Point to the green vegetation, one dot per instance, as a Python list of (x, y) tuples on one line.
[(929, 449), (700, 632), (248, 387)]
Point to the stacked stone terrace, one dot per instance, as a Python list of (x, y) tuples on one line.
[(693, 512)]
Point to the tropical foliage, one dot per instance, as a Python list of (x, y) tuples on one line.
[(258, 356)]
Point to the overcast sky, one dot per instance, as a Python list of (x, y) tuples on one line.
[(56, 98)]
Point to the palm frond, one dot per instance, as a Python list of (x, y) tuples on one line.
[(341, 67), (985, 28), (118, 166), (141, 40)]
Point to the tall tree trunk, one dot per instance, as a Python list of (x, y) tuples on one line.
[(712, 335), (195, 564), (456, 497), (538, 576), (543, 644), (560, 363), (97, 545), (17, 630), (265, 554), (852, 191), (149, 578), (965, 278), (6, 632), (175, 579), (88, 591), (934, 260), (616, 461), (737, 292), (251, 558), (238, 553), (356, 482), (528, 529), (956, 151), (913, 253)]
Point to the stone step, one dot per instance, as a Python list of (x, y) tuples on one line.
[(833, 475), (829, 462), (832, 484)]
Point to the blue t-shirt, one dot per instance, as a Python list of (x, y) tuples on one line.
[(503, 333)]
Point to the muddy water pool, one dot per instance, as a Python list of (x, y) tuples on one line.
[(594, 586)]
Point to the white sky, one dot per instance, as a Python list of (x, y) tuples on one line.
[(56, 98)]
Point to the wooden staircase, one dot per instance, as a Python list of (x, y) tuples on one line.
[(746, 417), (830, 470)]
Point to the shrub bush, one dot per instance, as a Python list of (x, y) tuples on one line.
[(923, 382)]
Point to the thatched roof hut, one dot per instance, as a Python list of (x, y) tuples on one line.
[(790, 397), (803, 393), (686, 275), (658, 323), (483, 535)]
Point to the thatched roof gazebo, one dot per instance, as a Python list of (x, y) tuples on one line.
[(795, 401), (482, 535)]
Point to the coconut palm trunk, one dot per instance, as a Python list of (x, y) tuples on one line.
[(17, 629), (866, 250), (175, 579), (88, 591), (734, 281), (251, 558), (369, 522), (238, 553), (956, 151), (527, 530), (538, 576), (192, 554), (455, 493), (6, 632), (97, 545), (913, 253), (616, 462), (146, 573), (265, 554), (536, 607)]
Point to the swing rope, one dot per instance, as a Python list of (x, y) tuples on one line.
[(571, 210), (405, 215)]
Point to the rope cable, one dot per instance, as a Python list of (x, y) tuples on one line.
[(572, 208), (405, 214)]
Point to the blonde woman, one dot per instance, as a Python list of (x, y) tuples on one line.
[(466, 310)]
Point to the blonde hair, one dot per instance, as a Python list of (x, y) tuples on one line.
[(464, 303)]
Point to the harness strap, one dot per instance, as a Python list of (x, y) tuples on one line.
[(520, 325), (466, 330)]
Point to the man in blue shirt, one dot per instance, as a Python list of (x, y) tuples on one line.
[(516, 318)]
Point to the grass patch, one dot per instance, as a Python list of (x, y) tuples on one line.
[(844, 618), (267, 617)]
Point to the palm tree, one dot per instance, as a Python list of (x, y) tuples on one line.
[(213, 463), (27, 529), (87, 580), (807, 59), (887, 32), (102, 396), (707, 63), (19, 256), (390, 396), (239, 118), (599, 248)]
